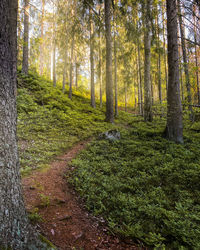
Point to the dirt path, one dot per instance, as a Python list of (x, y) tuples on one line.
[(65, 222)]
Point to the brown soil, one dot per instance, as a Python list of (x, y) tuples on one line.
[(65, 221)]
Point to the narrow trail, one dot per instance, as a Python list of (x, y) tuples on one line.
[(65, 221)]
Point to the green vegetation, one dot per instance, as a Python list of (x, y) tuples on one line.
[(49, 122), (145, 186)]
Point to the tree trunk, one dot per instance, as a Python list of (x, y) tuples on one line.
[(164, 48), (100, 70), (109, 81), (25, 65), (159, 61), (185, 60), (115, 74), (196, 56), (140, 94), (15, 230), (71, 67), (42, 40), (92, 87), (148, 116), (174, 128), (64, 71), (54, 49), (77, 71)]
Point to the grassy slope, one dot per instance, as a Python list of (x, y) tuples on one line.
[(49, 122), (145, 186)]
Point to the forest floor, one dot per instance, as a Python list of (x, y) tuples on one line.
[(59, 212)]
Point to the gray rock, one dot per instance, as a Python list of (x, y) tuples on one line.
[(111, 135)]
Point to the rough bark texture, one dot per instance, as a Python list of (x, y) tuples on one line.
[(92, 87), (26, 38), (147, 62), (174, 129), (15, 230), (185, 60), (159, 61), (109, 81)]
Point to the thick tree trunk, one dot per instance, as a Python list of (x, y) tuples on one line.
[(185, 60), (174, 129), (109, 81), (25, 65), (42, 40), (148, 116), (92, 87), (15, 230)]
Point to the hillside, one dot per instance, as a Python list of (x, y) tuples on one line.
[(142, 185)]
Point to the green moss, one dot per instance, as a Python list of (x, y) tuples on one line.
[(48, 244), (144, 186)]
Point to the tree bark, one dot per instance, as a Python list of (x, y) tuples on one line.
[(148, 116), (196, 56), (140, 92), (64, 71), (115, 74), (109, 81), (164, 48), (100, 70), (15, 230), (92, 86), (71, 67), (185, 60), (54, 50), (174, 128), (25, 65)]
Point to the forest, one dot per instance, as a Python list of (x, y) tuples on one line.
[(99, 124)]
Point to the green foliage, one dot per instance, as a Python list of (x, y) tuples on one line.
[(145, 186), (34, 216), (49, 122)]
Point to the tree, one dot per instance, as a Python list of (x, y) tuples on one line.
[(109, 80), (185, 60), (92, 86), (15, 230), (148, 116), (174, 128), (26, 38)]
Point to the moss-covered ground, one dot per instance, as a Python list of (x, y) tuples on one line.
[(50, 123), (146, 187)]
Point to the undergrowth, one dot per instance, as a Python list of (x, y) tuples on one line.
[(146, 187), (49, 122)]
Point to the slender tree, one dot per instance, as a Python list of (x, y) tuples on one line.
[(174, 128), (92, 86), (42, 40), (185, 60), (109, 81), (25, 65), (148, 116)]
